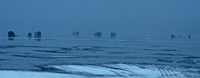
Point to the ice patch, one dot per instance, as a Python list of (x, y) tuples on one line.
[(94, 70), (28, 74), (107, 71), (137, 71), (150, 71), (124, 70)]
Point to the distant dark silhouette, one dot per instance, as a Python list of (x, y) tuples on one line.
[(189, 36), (11, 34), (75, 34), (38, 34), (98, 34), (112, 34), (172, 36), (29, 35)]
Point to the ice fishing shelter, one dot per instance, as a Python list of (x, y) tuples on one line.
[(38, 34), (172, 36), (11, 34), (112, 34)]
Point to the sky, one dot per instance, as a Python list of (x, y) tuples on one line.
[(125, 17)]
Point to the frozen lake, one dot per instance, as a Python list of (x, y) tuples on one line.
[(99, 57)]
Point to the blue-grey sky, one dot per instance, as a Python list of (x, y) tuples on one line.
[(128, 17)]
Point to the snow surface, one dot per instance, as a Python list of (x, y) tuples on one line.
[(122, 70), (106, 70), (28, 74), (95, 70)]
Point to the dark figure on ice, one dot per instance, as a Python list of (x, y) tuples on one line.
[(75, 34), (179, 36), (29, 35), (112, 34), (189, 36), (172, 36), (98, 34)]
